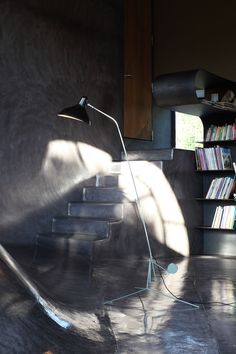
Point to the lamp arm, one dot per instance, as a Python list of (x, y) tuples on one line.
[(137, 201)]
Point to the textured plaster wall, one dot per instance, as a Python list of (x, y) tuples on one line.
[(51, 53)]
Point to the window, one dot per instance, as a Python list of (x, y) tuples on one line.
[(188, 131)]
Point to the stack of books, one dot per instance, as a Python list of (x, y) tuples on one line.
[(213, 158), (219, 133), (224, 217), (221, 188)]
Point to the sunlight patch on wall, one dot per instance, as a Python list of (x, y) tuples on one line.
[(64, 165), (70, 163)]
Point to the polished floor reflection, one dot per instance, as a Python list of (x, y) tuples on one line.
[(149, 322)]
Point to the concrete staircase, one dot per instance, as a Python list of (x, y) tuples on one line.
[(95, 218)]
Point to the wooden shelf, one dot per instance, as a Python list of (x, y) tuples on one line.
[(215, 142), (231, 200), (216, 171), (208, 228)]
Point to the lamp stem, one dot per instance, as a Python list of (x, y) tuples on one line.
[(137, 201)]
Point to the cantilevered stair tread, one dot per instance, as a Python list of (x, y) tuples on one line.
[(75, 236), (89, 226), (105, 211), (107, 194), (113, 180)]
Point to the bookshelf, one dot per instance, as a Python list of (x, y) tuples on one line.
[(194, 92), (218, 238)]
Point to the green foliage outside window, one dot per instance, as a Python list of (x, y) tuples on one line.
[(188, 130)]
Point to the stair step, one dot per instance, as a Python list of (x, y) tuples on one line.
[(114, 180), (107, 211), (149, 155), (71, 224), (137, 166), (107, 194), (119, 167), (111, 180), (74, 236), (61, 242)]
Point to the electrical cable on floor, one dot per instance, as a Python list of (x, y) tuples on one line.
[(145, 318), (231, 304)]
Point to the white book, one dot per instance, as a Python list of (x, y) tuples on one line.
[(219, 217), (231, 217), (210, 190), (224, 219), (214, 218)]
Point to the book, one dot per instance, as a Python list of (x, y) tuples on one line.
[(224, 187), (224, 217), (226, 158), (208, 134), (214, 158), (228, 217), (210, 189), (219, 193), (221, 188), (219, 133), (229, 188), (217, 217), (214, 218)]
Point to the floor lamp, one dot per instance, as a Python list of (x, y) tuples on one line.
[(78, 112)]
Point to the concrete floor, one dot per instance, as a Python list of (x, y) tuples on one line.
[(148, 323)]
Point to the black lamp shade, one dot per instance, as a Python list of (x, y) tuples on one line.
[(77, 112)]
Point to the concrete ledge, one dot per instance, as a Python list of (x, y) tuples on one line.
[(149, 155)]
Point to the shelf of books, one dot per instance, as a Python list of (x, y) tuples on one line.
[(222, 133), (213, 158), (216, 161), (223, 216), (221, 190), (213, 99)]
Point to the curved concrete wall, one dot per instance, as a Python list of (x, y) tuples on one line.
[(51, 53)]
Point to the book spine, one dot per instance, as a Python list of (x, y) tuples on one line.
[(210, 189)]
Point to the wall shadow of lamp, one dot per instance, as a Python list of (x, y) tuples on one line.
[(78, 112)]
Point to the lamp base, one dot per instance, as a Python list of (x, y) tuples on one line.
[(151, 274)]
